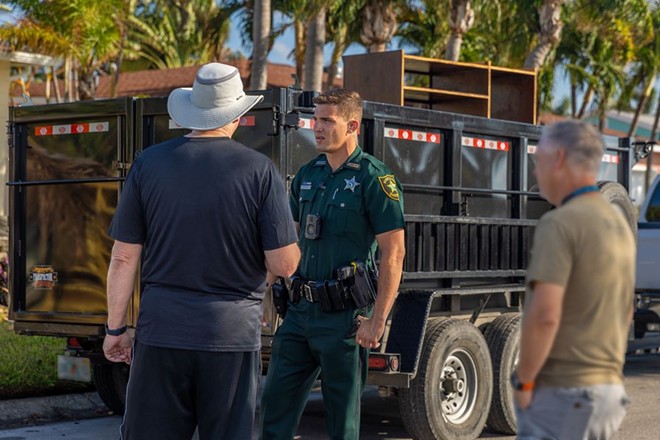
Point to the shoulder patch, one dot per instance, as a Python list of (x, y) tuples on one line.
[(355, 166), (388, 184)]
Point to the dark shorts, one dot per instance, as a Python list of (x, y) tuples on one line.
[(171, 392)]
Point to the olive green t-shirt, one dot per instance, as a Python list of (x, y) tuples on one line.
[(356, 202), (587, 247)]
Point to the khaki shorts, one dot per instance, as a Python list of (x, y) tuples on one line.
[(586, 413)]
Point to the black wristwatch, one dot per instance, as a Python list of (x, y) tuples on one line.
[(517, 385), (115, 332)]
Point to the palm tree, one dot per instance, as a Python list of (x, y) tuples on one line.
[(379, 24), (598, 41), (313, 77), (177, 33), (550, 25), (260, 44), (461, 19), (80, 31), (423, 24), (342, 28)]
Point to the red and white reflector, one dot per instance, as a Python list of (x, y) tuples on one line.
[(611, 158), (80, 128), (247, 121), (411, 135), (487, 144), (306, 123), (607, 158)]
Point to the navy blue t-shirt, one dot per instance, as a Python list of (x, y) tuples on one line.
[(205, 210)]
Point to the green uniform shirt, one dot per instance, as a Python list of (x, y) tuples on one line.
[(361, 199)]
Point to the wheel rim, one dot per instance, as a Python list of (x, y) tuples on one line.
[(458, 386)]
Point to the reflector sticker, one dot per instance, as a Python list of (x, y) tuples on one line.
[(43, 277), (86, 127), (247, 121), (487, 144), (611, 158), (411, 135), (306, 123), (607, 158)]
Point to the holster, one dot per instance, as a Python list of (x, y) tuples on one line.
[(280, 296), (295, 291), (362, 290)]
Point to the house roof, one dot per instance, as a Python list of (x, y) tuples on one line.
[(162, 82)]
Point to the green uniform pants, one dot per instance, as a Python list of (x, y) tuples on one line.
[(308, 342)]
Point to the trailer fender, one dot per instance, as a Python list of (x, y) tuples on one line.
[(409, 315)]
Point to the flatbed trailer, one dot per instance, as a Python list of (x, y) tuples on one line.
[(471, 205)]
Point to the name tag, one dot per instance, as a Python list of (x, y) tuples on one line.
[(306, 185)]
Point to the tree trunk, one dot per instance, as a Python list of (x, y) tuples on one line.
[(550, 31), (461, 19), (68, 96), (573, 97), (260, 37), (58, 97), (453, 52), (48, 79), (314, 52), (86, 85), (585, 103), (640, 108), (299, 50), (379, 24), (377, 47), (337, 51)]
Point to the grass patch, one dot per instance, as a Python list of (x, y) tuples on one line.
[(28, 364)]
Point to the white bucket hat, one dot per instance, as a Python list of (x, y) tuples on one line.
[(215, 99)]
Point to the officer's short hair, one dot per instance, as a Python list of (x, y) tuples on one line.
[(584, 145), (348, 102)]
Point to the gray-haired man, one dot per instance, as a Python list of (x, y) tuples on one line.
[(210, 217), (569, 378)]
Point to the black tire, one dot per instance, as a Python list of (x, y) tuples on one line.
[(450, 395), (617, 195), (642, 318), (503, 339), (111, 381)]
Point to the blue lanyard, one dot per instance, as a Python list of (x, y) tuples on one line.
[(580, 191)]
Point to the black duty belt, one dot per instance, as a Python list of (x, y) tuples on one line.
[(351, 289), (309, 292)]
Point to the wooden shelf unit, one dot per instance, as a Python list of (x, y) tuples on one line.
[(468, 88)]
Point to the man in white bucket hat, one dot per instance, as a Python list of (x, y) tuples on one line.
[(207, 217)]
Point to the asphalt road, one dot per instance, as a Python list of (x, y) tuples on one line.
[(381, 420)]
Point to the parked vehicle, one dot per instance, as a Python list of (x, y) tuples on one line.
[(470, 202), (647, 285)]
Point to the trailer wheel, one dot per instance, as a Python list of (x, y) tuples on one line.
[(111, 381), (617, 195), (503, 338), (450, 395)]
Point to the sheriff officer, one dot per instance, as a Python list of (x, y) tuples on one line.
[(346, 204)]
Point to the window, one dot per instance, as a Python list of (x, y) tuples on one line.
[(653, 211)]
